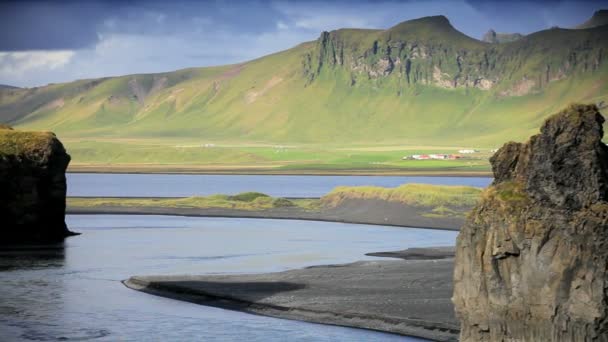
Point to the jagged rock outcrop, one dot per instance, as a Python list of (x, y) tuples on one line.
[(431, 52), (496, 38), (532, 259), (33, 187)]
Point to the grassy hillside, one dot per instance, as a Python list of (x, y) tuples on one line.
[(418, 86)]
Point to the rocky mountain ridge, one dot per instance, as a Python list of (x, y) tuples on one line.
[(430, 51)]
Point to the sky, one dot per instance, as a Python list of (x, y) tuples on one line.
[(45, 42)]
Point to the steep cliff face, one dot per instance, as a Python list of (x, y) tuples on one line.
[(532, 258), (33, 183), (430, 51)]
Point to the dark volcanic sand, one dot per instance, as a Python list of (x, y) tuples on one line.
[(428, 253), (409, 297), (363, 211)]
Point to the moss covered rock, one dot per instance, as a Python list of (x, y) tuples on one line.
[(532, 258), (33, 183)]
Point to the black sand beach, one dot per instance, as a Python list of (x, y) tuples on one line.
[(361, 294), (408, 297)]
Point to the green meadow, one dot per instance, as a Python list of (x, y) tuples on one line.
[(294, 158)]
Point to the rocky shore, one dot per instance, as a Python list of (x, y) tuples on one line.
[(532, 258), (408, 297)]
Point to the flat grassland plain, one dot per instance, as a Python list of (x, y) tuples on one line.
[(191, 156)]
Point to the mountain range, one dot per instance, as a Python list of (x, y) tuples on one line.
[(421, 82)]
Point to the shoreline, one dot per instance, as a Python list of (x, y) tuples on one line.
[(272, 172), (370, 212), (318, 294)]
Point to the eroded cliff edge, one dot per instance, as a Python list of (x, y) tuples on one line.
[(33, 187), (531, 259)]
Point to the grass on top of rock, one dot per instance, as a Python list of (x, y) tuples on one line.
[(242, 201), (19, 142), (511, 192)]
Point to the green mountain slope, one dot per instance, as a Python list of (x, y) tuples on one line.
[(420, 83)]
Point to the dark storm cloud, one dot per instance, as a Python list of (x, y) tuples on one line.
[(27, 25), (531, 16), (60, 25)]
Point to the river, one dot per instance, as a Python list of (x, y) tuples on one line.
[(73, 291), (158, 185)]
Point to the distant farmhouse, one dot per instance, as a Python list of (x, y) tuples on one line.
[(467, 151), (433, 156)]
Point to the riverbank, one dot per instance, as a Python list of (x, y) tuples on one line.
[(361, 294), (361, 211), (409, 205)]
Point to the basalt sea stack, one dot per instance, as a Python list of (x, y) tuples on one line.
[(32, 187), (532, 259)]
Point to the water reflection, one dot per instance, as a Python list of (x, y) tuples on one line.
[(32, 256)]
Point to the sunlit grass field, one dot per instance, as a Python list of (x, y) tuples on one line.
[(305, 158)]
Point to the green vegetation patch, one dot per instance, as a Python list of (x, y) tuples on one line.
[(440, 200), (247, 196), (442, 211), (282, 203), (511, 192), (243, 201), (20, 143), (412, 194)]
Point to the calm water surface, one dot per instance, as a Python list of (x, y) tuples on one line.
[(73, 291), (135, 185)]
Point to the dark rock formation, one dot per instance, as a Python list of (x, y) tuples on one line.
[(532, 258), (599, 18), (33, 187), (492, 37)]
